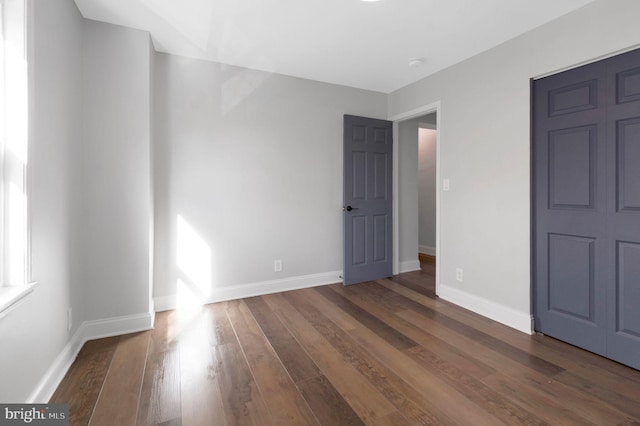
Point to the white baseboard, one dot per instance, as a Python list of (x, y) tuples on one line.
[(117, 326), (431, 251), (165, 303), (54, 375), (88, 330), (409, 266), (521, 321)]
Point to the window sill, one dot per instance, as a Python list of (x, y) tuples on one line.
[(12, 296)]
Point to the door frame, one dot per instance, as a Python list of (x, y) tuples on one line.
[(397, 119)]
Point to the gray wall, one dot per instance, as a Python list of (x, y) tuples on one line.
[(252, 161), (484, 141), (35, 333), (116, 171), (90, 190)]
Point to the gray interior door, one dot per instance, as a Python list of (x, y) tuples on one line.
[(586, 149), (367, 198)]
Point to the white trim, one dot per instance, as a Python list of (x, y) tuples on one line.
[(587, 62), (409, 266), (417, 112), (431, 251), (165, 303), (117, 326), (221, 294), (54, 375), (13, 296), (521, 321), (395, 208), (88, 330)]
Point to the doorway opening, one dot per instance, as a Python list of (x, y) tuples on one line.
[(427, 154), (408, 241)]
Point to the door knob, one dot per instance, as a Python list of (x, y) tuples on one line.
[(349, 208)]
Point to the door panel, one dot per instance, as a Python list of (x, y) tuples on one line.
[(381, 176), (573, 98), (628, 82), (627, 289), (570, 205), (359, 240), (586, 149), (380, 232), (359, 178), (572, 167), (623, 132), (571, 289), (367, 192), (628, 159)]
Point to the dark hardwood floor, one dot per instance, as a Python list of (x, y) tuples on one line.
[(382, 353)]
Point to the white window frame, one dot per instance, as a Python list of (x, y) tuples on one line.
[(15, 262)]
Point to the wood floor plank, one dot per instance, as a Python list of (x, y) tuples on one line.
[(582, 374), (581, 404), (449, 399), (407, 400), (519, 374), (242, 401), (365, 399), (410, 294), (625, 403), (435, 347), (374, 294), (166, 332), (199, 375), (393, 337), (81, 385), (589, 365), (496, 344), (395, 419), (338, 316), (475, 390), (426, 290), (160, 397), (545, 406), (118, 400), (284, 402), (292, 355), (326, 402), (92, 347)]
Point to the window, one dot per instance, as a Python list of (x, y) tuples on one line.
[(14, 274)]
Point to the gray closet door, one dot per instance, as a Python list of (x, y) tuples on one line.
[(586, 148)]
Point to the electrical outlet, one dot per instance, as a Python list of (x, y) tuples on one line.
[(69, 319), (277, 265), (459, 274)]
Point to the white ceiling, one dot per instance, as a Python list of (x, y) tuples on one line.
[(349, 42)]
